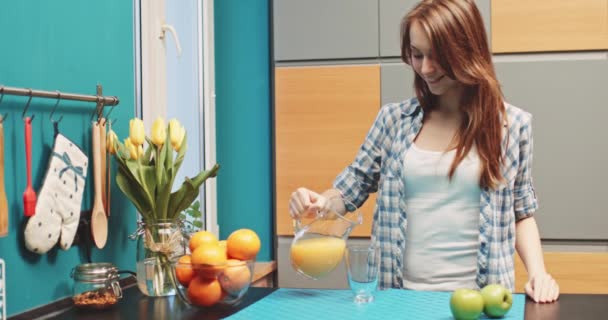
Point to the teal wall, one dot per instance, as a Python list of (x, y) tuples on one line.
[(243, 119), (68, 45), (71, 46)]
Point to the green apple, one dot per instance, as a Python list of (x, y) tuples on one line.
[(466, 304), (497, 300)]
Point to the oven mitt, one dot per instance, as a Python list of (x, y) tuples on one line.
[(59, 200)]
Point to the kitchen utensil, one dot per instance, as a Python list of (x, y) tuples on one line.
[(103, 157), (2, 291), (29, 195), (318, 245), (99, 220), (3, 202), (109, 176), (59, 199)]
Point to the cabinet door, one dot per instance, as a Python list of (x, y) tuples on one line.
[(567, 100), (549, 25), (325, 29), (397, 82), (322, 115)]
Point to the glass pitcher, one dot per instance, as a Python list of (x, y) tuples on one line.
[(319, 242)]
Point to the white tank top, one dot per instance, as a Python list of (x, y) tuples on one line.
[(442, 220)]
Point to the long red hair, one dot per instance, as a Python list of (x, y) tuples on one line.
[(460, 47)]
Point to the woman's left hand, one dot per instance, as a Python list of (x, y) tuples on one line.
[(542, 288)]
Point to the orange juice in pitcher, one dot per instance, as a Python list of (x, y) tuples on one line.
[(318, 246), (316, 257)]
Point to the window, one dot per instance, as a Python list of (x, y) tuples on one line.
[(175, 79)]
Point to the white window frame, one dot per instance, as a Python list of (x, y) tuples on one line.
[(153, 86)]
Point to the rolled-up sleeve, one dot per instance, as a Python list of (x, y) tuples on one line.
[(526, 202), (360, 178)]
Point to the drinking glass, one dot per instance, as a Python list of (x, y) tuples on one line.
[(363, 263)]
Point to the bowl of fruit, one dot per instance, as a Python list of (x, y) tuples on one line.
[(216, 272)]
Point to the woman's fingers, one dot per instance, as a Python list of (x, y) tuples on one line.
[(536, 287), (555, 291), (530, 290), (550, 289), (295, 206), (304, 202), (542, 288)]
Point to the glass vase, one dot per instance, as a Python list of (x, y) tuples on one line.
[(158, 243)]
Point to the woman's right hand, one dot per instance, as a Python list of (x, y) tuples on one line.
[(305, 203)]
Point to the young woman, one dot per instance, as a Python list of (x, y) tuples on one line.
[(452, 167)]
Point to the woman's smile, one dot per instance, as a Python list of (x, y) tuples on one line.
[(434, 80)]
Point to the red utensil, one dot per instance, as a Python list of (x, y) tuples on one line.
[(29, 195)]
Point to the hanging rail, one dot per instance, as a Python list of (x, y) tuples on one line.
[(99, 99)]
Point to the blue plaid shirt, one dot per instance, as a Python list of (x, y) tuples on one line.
[(378, 166)]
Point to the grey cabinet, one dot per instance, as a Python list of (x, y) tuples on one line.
[(391, 14), (397, 82), (325, 29), (569, 103), (342, 29)]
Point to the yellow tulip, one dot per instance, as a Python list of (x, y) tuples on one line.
[(136, 131), (140, 151), (159, 133), (176, 133), (180, 140), (111, 138), (132, 149)]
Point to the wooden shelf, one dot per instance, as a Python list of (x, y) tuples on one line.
[(263, 274)]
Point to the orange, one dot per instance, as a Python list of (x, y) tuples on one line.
[(203, 292), (209, 260), (184, 271), (222, 244), (202, 238), (236, 276), (243, 244), (209, 255)]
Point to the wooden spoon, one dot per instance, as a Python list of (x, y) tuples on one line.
[(29, 195), (3, 202), (109, 176), (99, 221), (103, 153)]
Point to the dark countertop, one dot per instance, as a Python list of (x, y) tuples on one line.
[(569, 307), (135, 305)]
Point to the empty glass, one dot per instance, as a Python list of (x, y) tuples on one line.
[(363, 263)]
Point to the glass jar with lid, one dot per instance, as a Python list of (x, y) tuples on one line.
[(95, 285)]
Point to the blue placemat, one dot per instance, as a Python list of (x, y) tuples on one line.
[(312, 304)]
